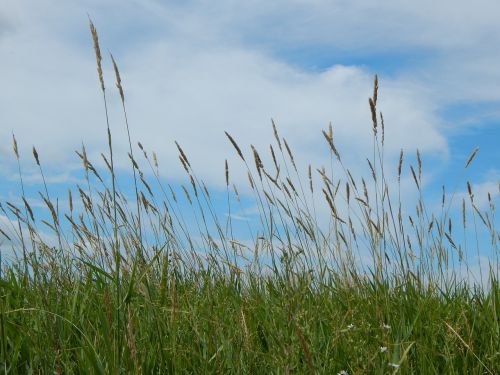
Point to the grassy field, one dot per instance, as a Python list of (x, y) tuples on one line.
[(376, 287)]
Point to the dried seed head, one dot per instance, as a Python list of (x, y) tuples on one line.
[(276, 134), (235, 145), (431, 224), (383, 127), (337, 188), (469, 189), (134, 164), (14, 146), (250, 180), (290, 153), (28, 208), (110, 142), (184, 165), (205, 189), (329, 139), (193, 185), (236, 193), (273, 155), (309, 173), (182, 154), (400, 165), (469, 160), (419, 161), (84, 158), (414, 176), (155, 160), (187, 194), (291, 185), (35, 155), (365, 190), (373, 111), (70, 200), (173, 195), (118, 79), (323, 175), (258, 161), (331, 205), (97, 50), (51, 209), (144, 201), (286, 190), (374, 176), (375, 89), (463, 214), (226, 172)]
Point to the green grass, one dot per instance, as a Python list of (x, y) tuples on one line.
[(131, 288)]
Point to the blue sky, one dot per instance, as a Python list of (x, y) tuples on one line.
[(193, 69)]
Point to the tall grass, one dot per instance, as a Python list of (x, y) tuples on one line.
[(373, 288)]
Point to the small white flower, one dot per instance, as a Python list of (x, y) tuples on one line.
[(383, 349), (394, 365), (343, 372), (386, 326), (350, 326)]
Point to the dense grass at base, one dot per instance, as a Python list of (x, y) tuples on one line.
[(341, 277), (203, 323)]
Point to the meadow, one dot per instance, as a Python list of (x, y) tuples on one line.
[(131, 285)]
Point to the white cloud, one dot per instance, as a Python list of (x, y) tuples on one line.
[(192, 70)]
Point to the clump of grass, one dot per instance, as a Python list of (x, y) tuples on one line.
[(138, 290)]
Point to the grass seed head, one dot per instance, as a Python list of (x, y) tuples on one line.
[(14, 146), (235, 145), (373, 111), (70, 200), (35, 155), (226, 170), (309, 174), (383, 127), (471, 157), (118, 79), (419, 161), (400, 165), (469, 190), (258, 161), (97, 50), (182, 154), (276, 136), (289, 153)]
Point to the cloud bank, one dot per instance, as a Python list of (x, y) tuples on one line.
[(195, 69)]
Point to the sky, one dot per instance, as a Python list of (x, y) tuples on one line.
[(194, 69)]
